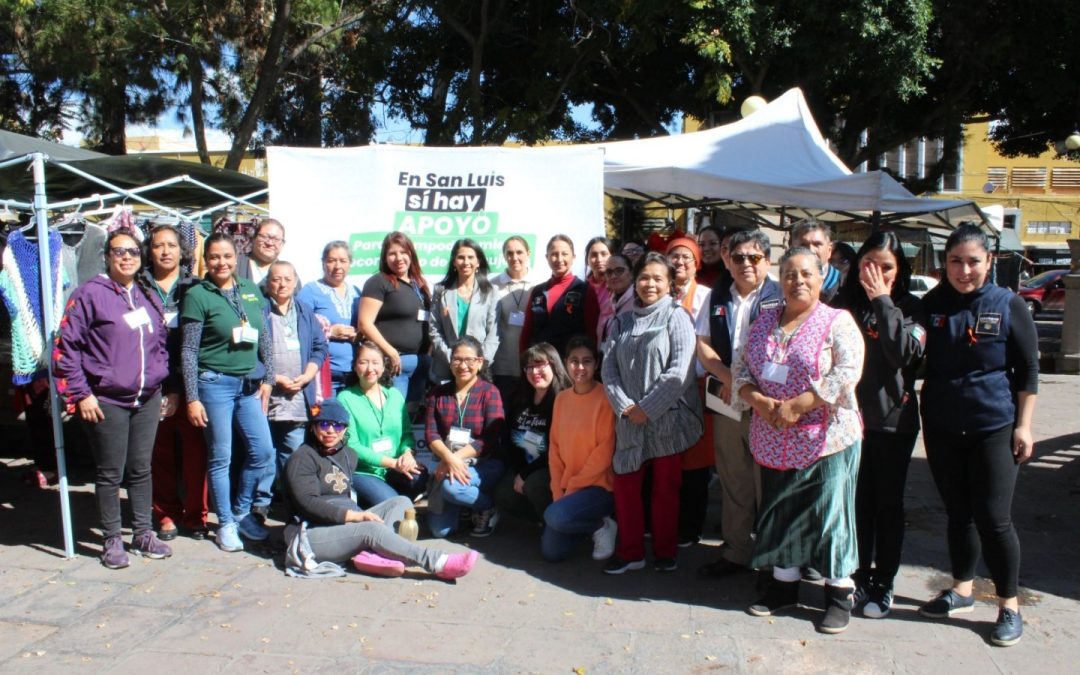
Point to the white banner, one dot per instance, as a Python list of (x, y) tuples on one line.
[(436, 196)]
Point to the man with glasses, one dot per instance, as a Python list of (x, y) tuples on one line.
[(722, 330), (265, 250)]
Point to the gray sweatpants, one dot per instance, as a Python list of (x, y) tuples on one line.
[(338, 543)]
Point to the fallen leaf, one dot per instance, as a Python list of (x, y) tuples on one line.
[(609, 601), (265, 641), (803, 642), (226, 625), (334, 627), (710, 658), (685, 636), (353, 625), (699, 632), (568, 613), (579, 670), (101, 625)]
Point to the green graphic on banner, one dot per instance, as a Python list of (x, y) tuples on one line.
[(434, 235)]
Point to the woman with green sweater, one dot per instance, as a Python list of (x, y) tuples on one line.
[(380, 433)]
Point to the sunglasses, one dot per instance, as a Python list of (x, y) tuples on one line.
[(119, 251), (752, 258), (332, 426)]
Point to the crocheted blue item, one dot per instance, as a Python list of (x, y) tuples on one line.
[(25, 256)]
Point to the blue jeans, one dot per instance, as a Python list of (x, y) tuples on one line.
[(570, 518), (371, 490), (286, 437), (225, 400), (476, 494), (412, 380)]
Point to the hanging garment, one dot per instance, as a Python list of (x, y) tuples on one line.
[(90, 252), (20, 287)]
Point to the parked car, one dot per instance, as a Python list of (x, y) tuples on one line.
[(920, 285), (1044, 292)]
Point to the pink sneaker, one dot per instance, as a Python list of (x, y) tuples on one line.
[(458, 565), (374, 564)]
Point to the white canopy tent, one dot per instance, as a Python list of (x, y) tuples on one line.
[(772, 166)]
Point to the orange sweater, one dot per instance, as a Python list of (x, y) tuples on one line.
[(581, 442)]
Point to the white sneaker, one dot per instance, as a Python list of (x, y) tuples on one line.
[(604, 540)]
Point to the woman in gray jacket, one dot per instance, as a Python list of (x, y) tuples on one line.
[(649, 380), (464, 303)]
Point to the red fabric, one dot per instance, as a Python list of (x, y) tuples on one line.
[(658, 242), (664, 506), (190, 452), (702, 453), (557, 288)]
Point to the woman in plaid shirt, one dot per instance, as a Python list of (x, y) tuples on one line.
[(465, 423)]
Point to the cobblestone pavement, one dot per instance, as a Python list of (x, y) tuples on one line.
[(203, 611)]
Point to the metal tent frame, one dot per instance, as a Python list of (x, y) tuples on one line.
[(40, 209)]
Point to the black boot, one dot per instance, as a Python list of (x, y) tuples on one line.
[(838, 603), (780, 595)]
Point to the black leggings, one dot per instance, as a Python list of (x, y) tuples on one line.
[(975, 475), (879, 505)]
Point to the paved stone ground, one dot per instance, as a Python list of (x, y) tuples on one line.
[(203, 611)]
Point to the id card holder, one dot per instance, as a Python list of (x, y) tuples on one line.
[(137, 318), (530, 443), (171, 319), (245, 334), (517, 318), (382, 445), (775, 372), (459, 436), (423, 315)]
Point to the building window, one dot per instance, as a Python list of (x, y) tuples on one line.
[(998, 176), (917, 158), (1065, 179), (1049, 227), (1029, 178)]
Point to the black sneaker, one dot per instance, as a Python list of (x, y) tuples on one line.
[(879, 602), (1008, 629), (484, 522), (617, 565), (665, 565), (780, 595), (946, 604)]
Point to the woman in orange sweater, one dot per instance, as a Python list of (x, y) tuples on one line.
[(580, 446)]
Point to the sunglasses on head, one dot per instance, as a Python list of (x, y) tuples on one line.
[(752, 258), (332, 426)]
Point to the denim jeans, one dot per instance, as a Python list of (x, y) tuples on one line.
[(476, 495), (371, 490), (224, 398), (411, 382), (569, 519), (286, 437), (123, 444), (338, 543)]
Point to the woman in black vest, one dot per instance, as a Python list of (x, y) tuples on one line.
[(982, 374), (561, 307)]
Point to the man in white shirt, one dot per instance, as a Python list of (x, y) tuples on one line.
[(722, 329)]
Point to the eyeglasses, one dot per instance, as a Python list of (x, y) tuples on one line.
[(332, 426), (681, 257), (120, 251), (615, 271), (536, 367), (270, 239), (465, 360), (752, 258)]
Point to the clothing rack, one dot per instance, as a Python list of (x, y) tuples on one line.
[(40, 208)]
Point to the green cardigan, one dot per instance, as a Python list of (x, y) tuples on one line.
[(364, 428)]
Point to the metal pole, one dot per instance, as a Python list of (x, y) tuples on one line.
[(42, 219)]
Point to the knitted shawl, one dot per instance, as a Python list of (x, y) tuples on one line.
[(20, 287)]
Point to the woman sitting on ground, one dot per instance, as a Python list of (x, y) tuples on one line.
[(582, 443), (333, 527), (525, 489), (380, 433)]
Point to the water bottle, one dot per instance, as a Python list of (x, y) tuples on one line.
[(408, 528)]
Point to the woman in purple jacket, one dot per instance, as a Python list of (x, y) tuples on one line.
[(110, 361)]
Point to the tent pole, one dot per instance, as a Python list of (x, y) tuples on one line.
[(47, 309)]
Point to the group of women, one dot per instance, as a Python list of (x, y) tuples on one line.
[(574, 402)]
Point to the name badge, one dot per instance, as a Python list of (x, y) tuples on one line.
[(423, 315), (136, 318), (382, 445), (531, 443), (775, 372), (245, 335), (171, 319), (517, 318), (988, 324), (459, 436), (292, 344)]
